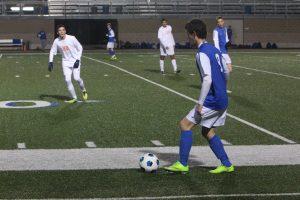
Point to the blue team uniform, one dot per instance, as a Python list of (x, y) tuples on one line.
[(111, 36), (42, 35), (217, 98), (222, 39)]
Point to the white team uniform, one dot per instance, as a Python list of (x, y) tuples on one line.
[(167, 42), (216, 41), (208, 118), (71, 51)]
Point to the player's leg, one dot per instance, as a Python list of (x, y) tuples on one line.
[(111, 51), (228, 61), (163, 55), (68, 79), (78, 79), (171, 52), (186, 141), (210, 119)]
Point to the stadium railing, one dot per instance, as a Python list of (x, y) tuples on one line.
[(107, 8)]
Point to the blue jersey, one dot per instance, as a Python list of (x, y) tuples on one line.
[(42, 35), (217, 98), (111, 35), (221, 38)]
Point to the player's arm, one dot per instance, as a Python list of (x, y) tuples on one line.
[(227, 39), (216, 39), (52, 53), (79, 48), (173, 40), (205, 69), (160, 36)]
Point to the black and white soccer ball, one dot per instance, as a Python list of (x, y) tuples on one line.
[(149, 162)]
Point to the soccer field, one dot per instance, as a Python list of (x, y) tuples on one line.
[(91, 149)]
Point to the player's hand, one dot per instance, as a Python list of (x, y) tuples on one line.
[(76, 64), (199, 108), (229, 67), (50, 66), (167, 48)]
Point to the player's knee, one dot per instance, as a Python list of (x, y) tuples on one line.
[(162, 57), (185, 125), (207, 132), (68, 80), (172, 57)]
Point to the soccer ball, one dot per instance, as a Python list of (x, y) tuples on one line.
[(149, 162)]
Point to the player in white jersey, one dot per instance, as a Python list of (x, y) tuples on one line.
[(167, 46), (71, 51)]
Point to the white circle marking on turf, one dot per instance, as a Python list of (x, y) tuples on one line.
[(37, 104)]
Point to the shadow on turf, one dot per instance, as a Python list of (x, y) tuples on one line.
[(57, 97), (157, 71)]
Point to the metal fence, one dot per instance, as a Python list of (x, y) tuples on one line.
[(148, 8)]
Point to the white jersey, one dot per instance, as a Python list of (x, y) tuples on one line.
[(165, 36), (70, 49)]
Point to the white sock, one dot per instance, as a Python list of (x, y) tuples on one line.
[(174, 64), (161, 64), (71, 89)]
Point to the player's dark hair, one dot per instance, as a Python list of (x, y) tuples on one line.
[(163, 20), (108, 24), (60, 26), (198, 27), (219, 17)]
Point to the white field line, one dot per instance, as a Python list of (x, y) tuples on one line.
[(258, 70), (225, 142), (205, 196), (157, 143), (21, 146), (194, 100), (90, 144), (127, 158), (267, 72)]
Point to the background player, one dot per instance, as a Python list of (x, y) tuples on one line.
[(221, 40), (71, 51), (210, 112), (167, 46), (111, 42)]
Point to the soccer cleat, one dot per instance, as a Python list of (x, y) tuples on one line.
[(85, 95), (114, 57), (220, 169), (72, 101), (177, 167), (177, 71)]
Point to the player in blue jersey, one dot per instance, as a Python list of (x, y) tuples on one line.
[(221, 40), (43, 39), (111, 42), (210, 110)]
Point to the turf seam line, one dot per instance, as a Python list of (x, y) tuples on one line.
[(193, 100)]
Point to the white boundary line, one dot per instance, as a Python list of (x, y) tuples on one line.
[(198, 196), (193, 100), (267, 72)]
